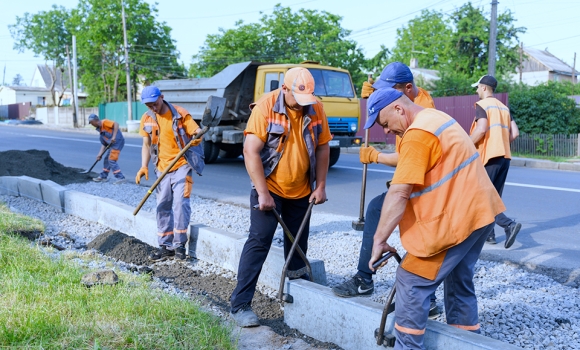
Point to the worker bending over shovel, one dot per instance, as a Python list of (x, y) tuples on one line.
[(109, 133), (161, 127), (286, 153), (398, 76), (445, 206)]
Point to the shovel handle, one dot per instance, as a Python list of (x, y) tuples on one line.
[(96, 161), (177, 157), (361, 216)]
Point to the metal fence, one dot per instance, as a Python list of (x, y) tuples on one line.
[(547, 145)]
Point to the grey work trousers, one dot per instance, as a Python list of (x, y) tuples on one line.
[(413, 293), (173, 207)]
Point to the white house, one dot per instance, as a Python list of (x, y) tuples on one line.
[(37, 96), (540, 66)]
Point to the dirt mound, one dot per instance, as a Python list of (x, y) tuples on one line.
[(215, 289), (40, 165), (122, 247)]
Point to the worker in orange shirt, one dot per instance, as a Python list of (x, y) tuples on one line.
[(286, 153), (398, 76), (445, 206), (162, 126), (492, 131), (109, 133)]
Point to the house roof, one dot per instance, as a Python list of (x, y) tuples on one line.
[(547, 59), (47, 77), (27, 88)]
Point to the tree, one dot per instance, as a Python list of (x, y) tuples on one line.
[(17, 80), (425, 37), (46, 34), (98, 27), (282, 37)]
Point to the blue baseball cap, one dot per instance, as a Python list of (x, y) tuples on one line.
[(379, 100), (150, 94), (93, 117), (394, 73)]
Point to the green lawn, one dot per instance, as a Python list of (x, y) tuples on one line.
[(43, 305)]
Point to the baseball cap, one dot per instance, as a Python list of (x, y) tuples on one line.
[(486, 80), (379, 100), (394, 73), (301, 85), (93, 117), (150, 94)]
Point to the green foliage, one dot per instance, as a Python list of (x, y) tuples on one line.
[(46, 34), (99, 30), (425, 37), (544, 109), (457, 46), (282, 37)]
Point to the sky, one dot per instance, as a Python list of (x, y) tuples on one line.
[(550, 24)]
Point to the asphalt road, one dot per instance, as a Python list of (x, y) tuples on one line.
[(546, 202)]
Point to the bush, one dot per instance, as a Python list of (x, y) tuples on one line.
[(544, 109)]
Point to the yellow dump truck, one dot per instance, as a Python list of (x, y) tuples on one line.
[(243, 83)]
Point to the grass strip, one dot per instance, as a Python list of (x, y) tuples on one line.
[(43, 304)]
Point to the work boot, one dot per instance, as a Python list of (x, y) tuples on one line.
[(161, 254), (245, 317), (354, 287), (510, 233), (491, 239), (120, 181), (180, 253), (99, 179), (434, 310)]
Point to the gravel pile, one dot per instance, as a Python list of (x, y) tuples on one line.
[(528, 310)]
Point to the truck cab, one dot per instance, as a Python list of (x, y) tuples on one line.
[(244, 83)]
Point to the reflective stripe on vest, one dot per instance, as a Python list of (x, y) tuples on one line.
[(272, 105), (457, 196), (496, 141)]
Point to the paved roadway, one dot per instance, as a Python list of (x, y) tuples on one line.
[(546, 202)]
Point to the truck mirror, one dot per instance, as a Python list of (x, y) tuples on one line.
[(274, 85)]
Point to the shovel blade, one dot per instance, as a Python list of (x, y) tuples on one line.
[(214, 109)]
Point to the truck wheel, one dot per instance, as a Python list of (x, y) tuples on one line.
[(334, 155), (231, 154), (211, 151)]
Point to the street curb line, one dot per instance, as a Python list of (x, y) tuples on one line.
[(316, 311)]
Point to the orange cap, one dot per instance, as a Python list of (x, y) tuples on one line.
[(301, 84)]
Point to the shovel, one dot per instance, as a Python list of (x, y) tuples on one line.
[(212, 115), (360, 224), (386, 339), (96, 161)]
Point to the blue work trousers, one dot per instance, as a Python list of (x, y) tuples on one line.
[(262, 228), (413, 293), (110, 161), (372, 218), (173, 207)]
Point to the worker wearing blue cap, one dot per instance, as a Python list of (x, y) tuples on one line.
[(162, 126), (398, 76), (445, 206)]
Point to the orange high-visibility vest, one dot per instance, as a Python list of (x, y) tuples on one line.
[(496, 141), (457, 197)]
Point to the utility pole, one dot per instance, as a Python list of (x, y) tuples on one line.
[(72, 90), (75, 79), (127, 69), (492, 39), (4, 76), (521, 59), (574, 81)]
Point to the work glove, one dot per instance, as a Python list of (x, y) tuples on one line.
[(367, 88), (368, 155), (144, 171), (196, 142)]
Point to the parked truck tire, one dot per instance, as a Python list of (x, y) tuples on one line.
[(230, 154), (211, 151), (334, 155)]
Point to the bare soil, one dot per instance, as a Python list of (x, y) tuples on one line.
[(213, 288), (40, 165)]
